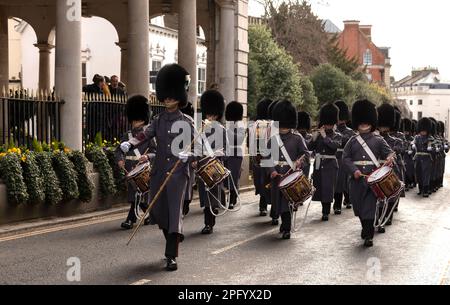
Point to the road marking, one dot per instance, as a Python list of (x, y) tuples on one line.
[(61, 228), (237, 244), (141, 282)]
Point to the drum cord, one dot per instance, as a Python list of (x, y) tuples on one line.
[(384, 211), (138, 199), (294, 214), (226, 208)]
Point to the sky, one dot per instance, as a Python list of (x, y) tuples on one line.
[(415, 30)]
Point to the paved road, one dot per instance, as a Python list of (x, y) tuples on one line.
[(245, 249)]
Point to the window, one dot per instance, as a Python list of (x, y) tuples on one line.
[(201, 86), (411, 102), (419, 115), (367, 58), (420, 102), (83, 74), (156, 66)]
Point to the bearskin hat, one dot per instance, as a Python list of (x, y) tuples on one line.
[(344, 113), (364, 112), (172, 81), (137, 109), (441, 127), (212, 103), (188, 110), (386, 116), (284, 112), (329, 114), (433, 126), (414, 126), (234, 112), (270, 110), (261, 109), (425, 124), (406, 125), (398, 119), (303, 120)]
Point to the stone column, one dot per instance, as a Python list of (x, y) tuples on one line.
[(4, 50), (68, 71), (187, 44), (138, 47), (226, 49), (123, 61), (44, 65)]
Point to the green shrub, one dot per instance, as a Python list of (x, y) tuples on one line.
[(66, 174), (85, 185), (97, 156), (52, 190), (12, 175), (33, 179)]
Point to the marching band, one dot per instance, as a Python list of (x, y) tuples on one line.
[(365, 159)]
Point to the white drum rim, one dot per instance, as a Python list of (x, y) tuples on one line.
[(289, 179), (378, 174)]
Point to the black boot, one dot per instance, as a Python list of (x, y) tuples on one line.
[(207, 230), (325, 217), (286, 235), (381, 230), (275, 222), (127, 225), (171, 264), (368, 243), (263, 213)]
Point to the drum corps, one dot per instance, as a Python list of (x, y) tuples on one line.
[(359, 156)]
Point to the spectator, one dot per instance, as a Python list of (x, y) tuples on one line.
[(96, 87), (114, 87)]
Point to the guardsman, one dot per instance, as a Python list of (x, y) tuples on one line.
[(358, 163), (396, 133), (189, 111), (236, 132), (214, 145), (444, 151), (291, 148), (304, 128), (436, 155), (407, 128), (172, 83), (423, 158), (138, 114), (341, 191), (324, 145)]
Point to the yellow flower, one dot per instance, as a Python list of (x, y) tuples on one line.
[(67, 150), (19, 151), (24, 158), (2, 155)]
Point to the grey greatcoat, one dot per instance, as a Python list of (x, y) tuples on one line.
[(296, 148), (408, 158), (235, 152), (325, 165), (132, 157), (423, 160), (167, 211), (342, 178), (361, 196), (218, 146), (307, 164)]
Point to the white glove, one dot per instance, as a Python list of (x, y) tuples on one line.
[(183, 156), (125, 147), (414, 146), (410, 152), (445, 146), (429, 148)]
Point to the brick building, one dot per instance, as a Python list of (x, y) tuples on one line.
[(356, 40)]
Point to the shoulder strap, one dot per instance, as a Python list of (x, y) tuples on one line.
[(284, 152), (368, 150)]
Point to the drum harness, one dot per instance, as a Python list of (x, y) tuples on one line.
[(209, 194), (380, 218), (292, 208)]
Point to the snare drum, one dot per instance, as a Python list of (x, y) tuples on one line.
[(212, 172), (139, 177), (296, 188), (384, 183)]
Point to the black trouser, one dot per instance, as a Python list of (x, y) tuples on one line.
[(172, 241), (262, 204), (368, 231), (326, 208), (131, 213), (233, 197), (286, 222), (338, 201), (210, 219), (186, 206)]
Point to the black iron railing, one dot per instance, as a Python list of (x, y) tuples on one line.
[(26, 115)]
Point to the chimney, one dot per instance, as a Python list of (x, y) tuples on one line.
[(348, 24), (367, 30)]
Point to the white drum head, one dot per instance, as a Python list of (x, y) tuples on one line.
[(138, 169), (292, 177), (379, 173)]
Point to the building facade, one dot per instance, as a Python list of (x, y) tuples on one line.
[(425, 94), (356, 41)]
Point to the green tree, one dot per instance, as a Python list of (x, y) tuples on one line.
[(331, 84), (272, 71), (310, 102)]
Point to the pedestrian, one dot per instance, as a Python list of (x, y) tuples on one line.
[(96, 87), (325, 144), (358, 163), (172, 83), (114, 87)]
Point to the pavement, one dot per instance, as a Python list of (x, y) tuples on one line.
[(244, 249)]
